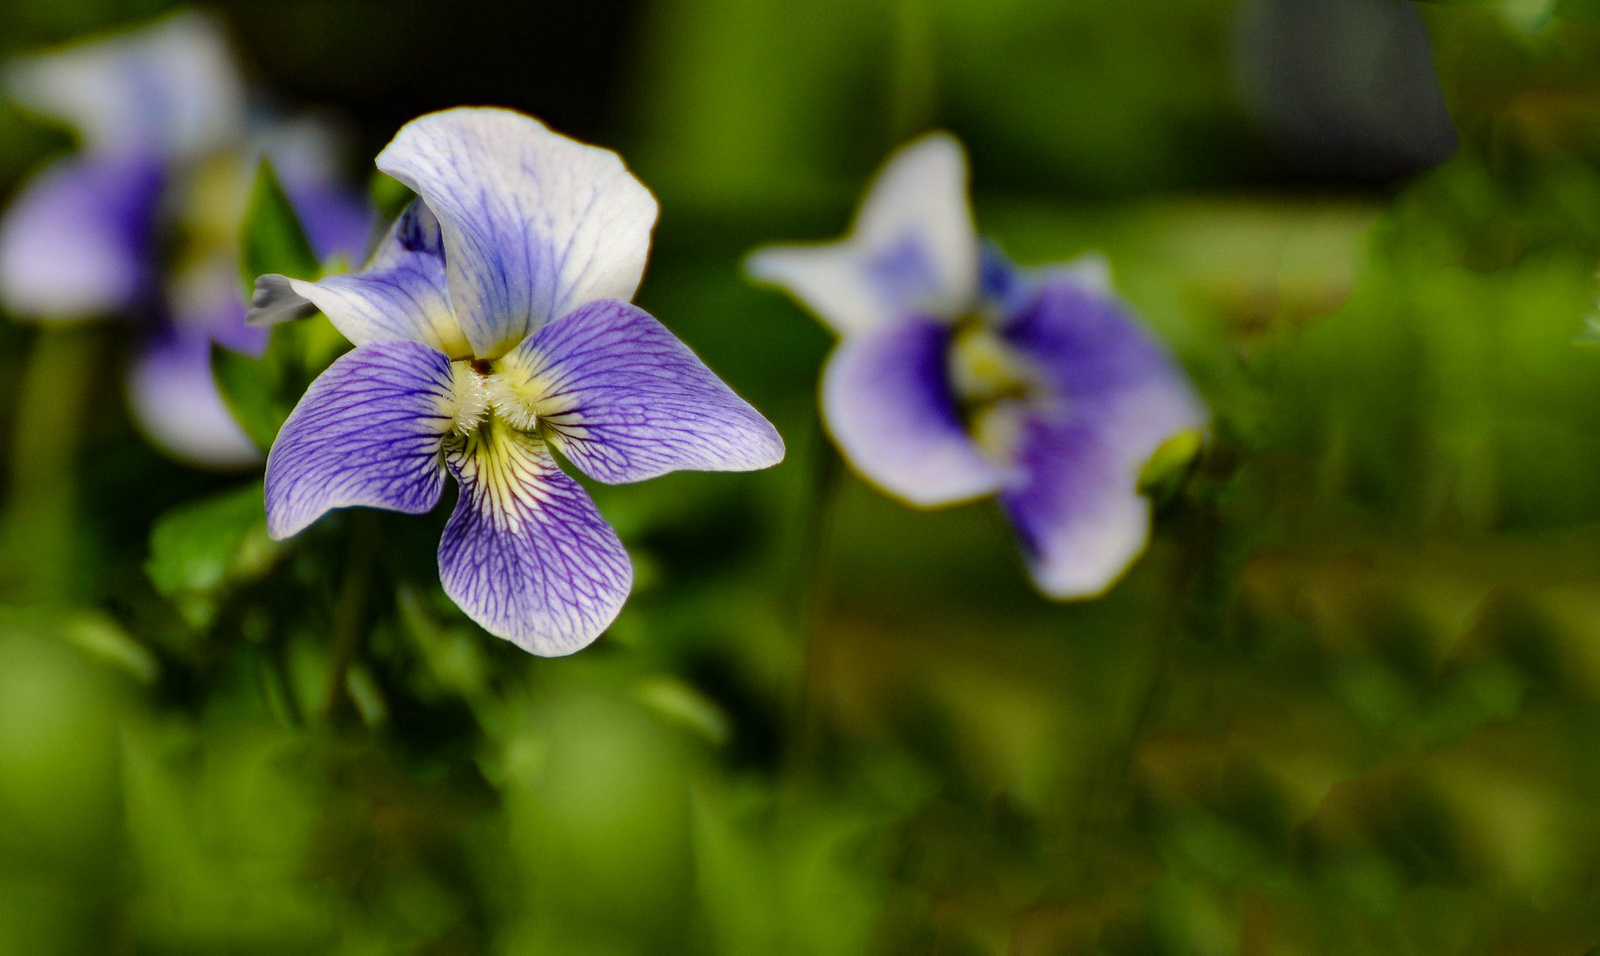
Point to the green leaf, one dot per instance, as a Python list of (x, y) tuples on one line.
[(199, 550), (1169, 465), (262, 390), (389, 196), (273, 240)]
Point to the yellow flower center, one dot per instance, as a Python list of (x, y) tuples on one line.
[(990, 380), (510, 390)]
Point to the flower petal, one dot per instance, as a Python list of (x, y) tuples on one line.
[(77, 241), (1118, 397), (171, 89), (175, 400), (367, 432), (203, 297), (913, 250), (887, 400), (399, 297), (526, 554), (535, 224), (624, 400)]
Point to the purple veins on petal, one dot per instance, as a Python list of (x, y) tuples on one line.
[(525, 553), (367, 432), (399, 297), (625, 400), (888, 402), (534, 224)]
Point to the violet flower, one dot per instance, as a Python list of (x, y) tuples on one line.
[(492, 326), (959, 375), (142, 221)]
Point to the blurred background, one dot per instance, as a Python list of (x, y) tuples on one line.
[(1348, 702)]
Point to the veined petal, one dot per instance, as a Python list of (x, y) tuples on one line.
[(535, 224), (625, 400), (526, 554), (175, 400), (912, 251), (77, 241), (887, 400), (367, 432), (400, 297), (1116, 397), (171, 88)]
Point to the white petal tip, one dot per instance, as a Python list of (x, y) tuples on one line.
[(275, 300)]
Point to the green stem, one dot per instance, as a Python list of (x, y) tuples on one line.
[(350, 614), (1104, 810), (913, 92), (815, 592), (52, 407)]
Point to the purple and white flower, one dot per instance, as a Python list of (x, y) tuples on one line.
[(491, 327), (142, 221), (959, 375)]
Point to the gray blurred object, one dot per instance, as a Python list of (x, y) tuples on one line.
[(1344, 89)]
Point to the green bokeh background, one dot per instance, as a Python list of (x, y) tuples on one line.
[(1349, 701)]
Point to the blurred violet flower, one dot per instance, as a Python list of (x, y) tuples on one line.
[(959, 375), (142, 221), (492, 325)]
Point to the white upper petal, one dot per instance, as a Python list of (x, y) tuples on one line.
[(535, 224), (912, 251), (171, 88)]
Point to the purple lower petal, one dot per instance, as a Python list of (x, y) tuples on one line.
[(526, 554), (887, 400), (1077, 511), (625, 400), (77, 241), (367, 432), (175, 400), (1112, 397)]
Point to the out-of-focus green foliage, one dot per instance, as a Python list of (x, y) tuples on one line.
[(262, 390), (201, 548), (1348, 702)]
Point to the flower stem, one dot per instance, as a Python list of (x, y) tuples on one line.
[(52, 407), (1199, 535), (912, 86), (814, 594), (349, 615)]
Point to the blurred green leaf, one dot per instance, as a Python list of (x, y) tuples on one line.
[(1166, 469), (261, 390), (200, 548), (273, 240), (389, 196)]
